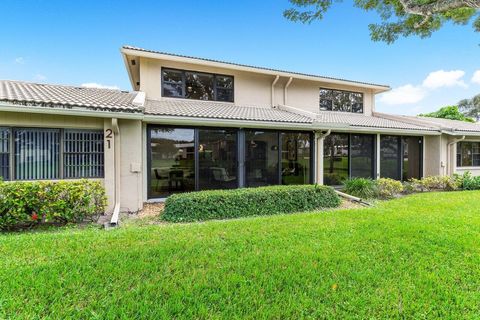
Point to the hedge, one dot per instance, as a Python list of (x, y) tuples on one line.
[(23, 204), (224, 204)]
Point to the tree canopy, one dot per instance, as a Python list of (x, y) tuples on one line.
[(398, 17), (448, 112), (471, 107)]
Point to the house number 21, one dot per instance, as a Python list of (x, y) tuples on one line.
[(109, 136)]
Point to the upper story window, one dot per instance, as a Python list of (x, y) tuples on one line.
[(338, 100), (196, 85)]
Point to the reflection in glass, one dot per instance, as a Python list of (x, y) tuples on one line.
[(335, 161), (390, 157), (172, 83), (338, 100), (261, 158), (295, 158), (217, 159), (199, 86), (362, 156), (172, 161)]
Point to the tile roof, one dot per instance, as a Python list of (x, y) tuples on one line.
[(218, 110), (25, 93), (359, 120), (254, 67), (436, 123)]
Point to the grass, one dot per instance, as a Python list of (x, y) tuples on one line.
[(415, 257)]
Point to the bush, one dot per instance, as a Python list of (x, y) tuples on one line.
[(224, 204), (23, 204), (361, 187), (388, 188), (446, 183), (468, 182)]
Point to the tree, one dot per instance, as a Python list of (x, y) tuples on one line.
[(471, 107), (448, 112), (399, 17)]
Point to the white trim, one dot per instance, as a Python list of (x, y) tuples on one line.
[(301, 112), (139, 99)]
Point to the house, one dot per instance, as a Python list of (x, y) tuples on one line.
[(195, 124)]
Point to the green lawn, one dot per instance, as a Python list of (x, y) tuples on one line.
[(416, 257)]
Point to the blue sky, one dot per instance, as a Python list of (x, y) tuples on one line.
[(77, 42)]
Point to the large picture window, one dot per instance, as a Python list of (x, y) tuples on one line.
[(338, 100), (468, 154), (196, 85), (43, 154)]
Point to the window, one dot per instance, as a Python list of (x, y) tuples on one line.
[(468, 154), (172, 161), (37, 154), (362, 155), (348, 156), (338, 100), (4, 153), (83, 154), (43, 154), (336, 158), (217, 153), (196, 85), (261, 158), (401, 157), (295, 158)]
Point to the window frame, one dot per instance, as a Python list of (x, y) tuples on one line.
[(61, 154), (184, 84), (459, 155), (332, 100)]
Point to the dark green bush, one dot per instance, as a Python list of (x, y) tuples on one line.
[(24, 204), (224, 204), (361, 187), (469, 182)]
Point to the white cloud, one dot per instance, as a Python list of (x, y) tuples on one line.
[(99, 86), (442, 78), (39, 77), (406, 94), (476, 77), (19, 60)]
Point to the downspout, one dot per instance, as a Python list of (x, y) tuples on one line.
[(320, 137), (116, 155), (450, 163), (285, 95), (273, 90)]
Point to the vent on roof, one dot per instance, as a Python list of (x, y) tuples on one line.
[(138, 83), (133, 62)]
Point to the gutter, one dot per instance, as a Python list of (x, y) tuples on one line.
[(116, 145), (273, 90), (285, 94)]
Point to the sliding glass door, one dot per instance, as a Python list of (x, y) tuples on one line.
[(171, 161), (261, 158), (401, 157), (217, 154), (348, 156)]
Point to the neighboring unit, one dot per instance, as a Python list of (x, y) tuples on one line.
[(195, 124)]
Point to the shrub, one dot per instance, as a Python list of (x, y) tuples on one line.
[(431, 183), (224, 204), (361, 187), (468, 182), (24, 204), (388, 188)]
